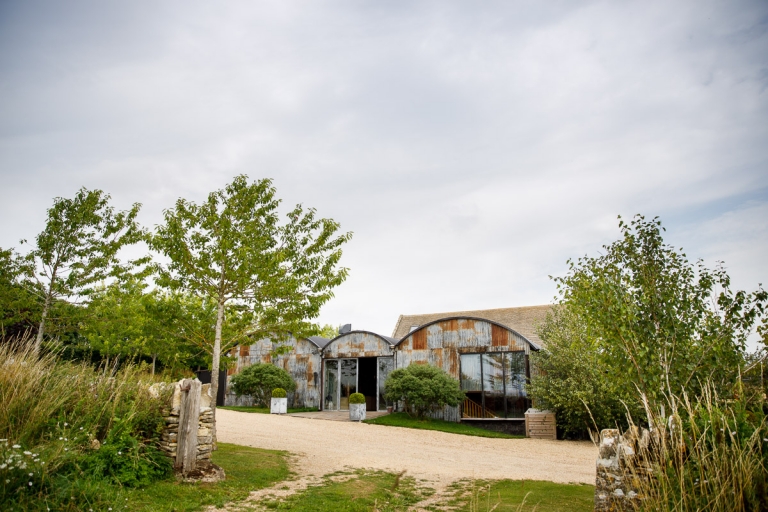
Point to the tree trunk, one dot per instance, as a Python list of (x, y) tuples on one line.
[(215, 365), (43, 316)]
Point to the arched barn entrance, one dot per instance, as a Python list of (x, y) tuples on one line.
[(356, 362)]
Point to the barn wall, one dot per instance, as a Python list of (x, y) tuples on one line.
[(302, 362), (440, 344), (357, 344)]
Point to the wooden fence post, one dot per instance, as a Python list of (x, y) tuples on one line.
[(189, 418)]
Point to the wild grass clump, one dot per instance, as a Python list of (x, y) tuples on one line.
[(709, 454), (70, 434)]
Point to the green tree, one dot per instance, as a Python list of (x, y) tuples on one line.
[(19, 309), (78, 248), (571, 379), (232, 250), (660, 324), (423, 388), (258, 381), (328, 331)]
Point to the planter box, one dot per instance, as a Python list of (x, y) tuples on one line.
[(540, 424), (278, 406), (356, 412)]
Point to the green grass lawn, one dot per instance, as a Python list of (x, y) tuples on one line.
[(538, 496), (247, 469), (401, 419), (363, 491), (264, 410)]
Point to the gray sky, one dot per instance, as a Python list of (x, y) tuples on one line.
[(471, 147)]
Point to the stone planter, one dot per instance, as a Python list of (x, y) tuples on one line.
[(278, 406), (356, 412)]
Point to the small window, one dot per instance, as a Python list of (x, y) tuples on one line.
[(413, 328)]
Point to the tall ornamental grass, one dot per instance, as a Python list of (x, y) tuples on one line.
[(709, 454), (70, 434)]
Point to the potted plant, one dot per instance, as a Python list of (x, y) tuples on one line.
[(279, 404), (356, 407)]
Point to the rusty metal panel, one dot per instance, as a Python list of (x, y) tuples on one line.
[(419, 339), (358, 344), (499, 336)]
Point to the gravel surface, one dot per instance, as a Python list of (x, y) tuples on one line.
[(323, 447)]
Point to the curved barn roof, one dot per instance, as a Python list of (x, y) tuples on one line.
[(535, 345), (318, 341), (389, 340), (523, 321)]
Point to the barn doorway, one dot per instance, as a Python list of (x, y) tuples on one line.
[(344, 376), (366, 381)]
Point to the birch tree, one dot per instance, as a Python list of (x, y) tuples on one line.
[(78, 248), (233, 250)]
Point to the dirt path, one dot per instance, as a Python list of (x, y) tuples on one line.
[(323, 447)]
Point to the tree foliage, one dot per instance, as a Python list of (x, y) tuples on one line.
[(19, 307), (78, 248), (658, 323), (422, 388), (572, 380), (258, 381), (232, 251)]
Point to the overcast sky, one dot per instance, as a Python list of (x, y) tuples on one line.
[(472, 147)]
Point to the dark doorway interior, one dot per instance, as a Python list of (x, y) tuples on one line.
[(366, 381), (204, 376)]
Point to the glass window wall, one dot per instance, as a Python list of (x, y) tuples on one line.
[(494, 384)]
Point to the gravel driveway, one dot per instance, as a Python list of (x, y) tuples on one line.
[(323, 447)]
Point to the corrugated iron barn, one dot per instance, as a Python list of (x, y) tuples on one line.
[(486, 350)]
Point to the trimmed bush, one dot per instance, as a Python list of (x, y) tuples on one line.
[(258, 381), (357, 398), (279, 393), (423, 388)]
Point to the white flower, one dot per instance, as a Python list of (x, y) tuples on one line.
[(66, 424), (66, 439), (119, 453), (30, 474), (81, 428), (3, 440), (3, 466), (7, 481), (61, 439), (66, 449), (27, 453), (16, 446), (30, 484)]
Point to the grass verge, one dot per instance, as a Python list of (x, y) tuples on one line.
[(401, 419), (361, 491), (264, 410), (247, 469), (524, 496)]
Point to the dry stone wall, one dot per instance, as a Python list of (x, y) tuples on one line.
[(169, 439), (622, 467)]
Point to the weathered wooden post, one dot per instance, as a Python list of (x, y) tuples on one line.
[(189, 417)]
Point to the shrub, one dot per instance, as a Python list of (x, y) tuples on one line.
[(279, 393), (258, 381), (422, 389), (357, 398)]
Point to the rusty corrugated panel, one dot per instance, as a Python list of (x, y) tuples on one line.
[(499, 336), (245, 350), (419, 340), (357, 344)]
